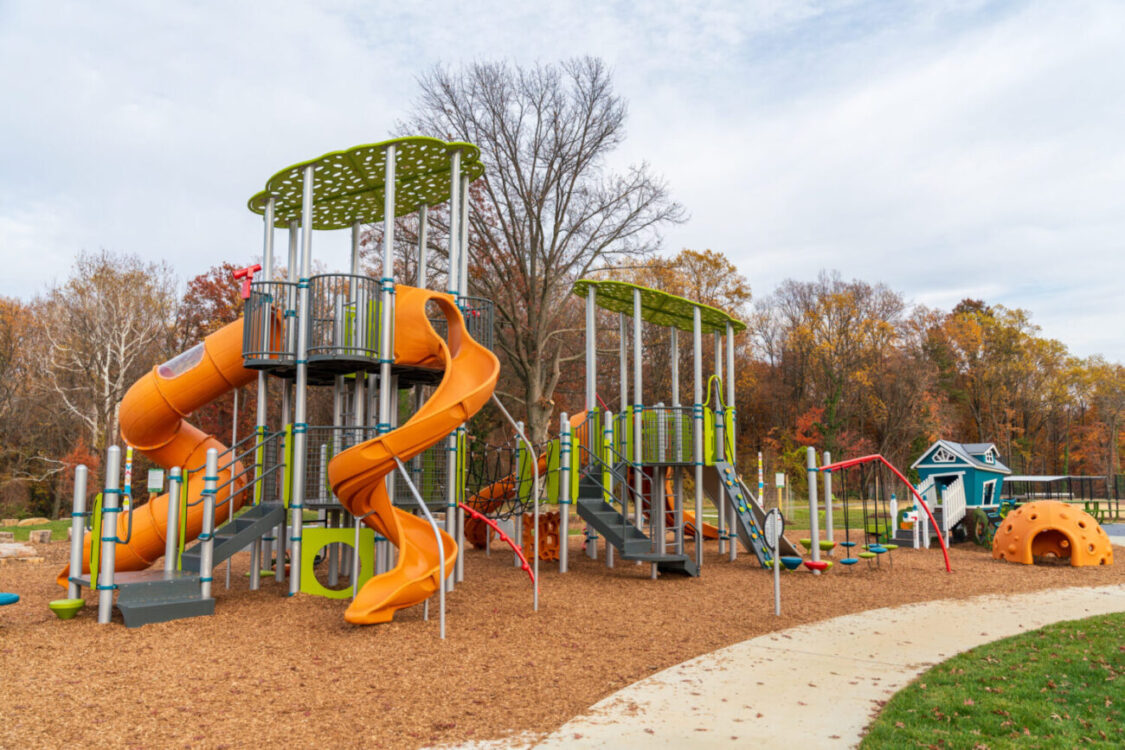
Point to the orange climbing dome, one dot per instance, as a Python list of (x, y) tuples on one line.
[(1050, 527)]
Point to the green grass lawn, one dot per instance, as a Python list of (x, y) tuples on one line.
[(58, 530), (1062, 686)]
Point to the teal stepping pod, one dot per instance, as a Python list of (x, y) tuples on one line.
[(791, 563), (849, 561), (8, 599), (847, 544), (878, 549)]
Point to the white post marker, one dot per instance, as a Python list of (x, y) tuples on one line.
[(774, 527)]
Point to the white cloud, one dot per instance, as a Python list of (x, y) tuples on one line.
[(935, 146)]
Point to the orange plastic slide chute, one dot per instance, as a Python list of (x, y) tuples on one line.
[(358, 474), (152, 420)]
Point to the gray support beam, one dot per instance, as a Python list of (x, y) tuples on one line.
[(423, 249), (463, 235), (623, 360), (814, 530), (454, 221), (172, 526), (564, 491), (697, 430), (731, 439), (677, 451), (300, 409), (828, 531), (207, 534), (720, 445), (638, 417), (591, 356), (111, 506), (77, 530)]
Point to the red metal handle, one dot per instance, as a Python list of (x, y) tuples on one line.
[(247, 276)]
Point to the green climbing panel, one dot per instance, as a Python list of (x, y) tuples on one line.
[(657, 307)]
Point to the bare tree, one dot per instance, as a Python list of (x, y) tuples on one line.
[(100, 331), (548, 210)]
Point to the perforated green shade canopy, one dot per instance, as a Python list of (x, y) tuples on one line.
[(657, 307), (348, 186)]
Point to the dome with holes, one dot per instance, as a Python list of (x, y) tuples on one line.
[(1051, 528)]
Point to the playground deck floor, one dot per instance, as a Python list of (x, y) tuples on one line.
[(268, 668)]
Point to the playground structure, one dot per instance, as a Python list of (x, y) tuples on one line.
[(374, 345), (630, 486), (1051, 528)]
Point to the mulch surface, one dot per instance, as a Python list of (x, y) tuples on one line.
[(270, 669)]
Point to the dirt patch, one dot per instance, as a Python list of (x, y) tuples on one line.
[(268, 668)]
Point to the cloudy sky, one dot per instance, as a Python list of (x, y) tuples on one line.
[(950, 149)]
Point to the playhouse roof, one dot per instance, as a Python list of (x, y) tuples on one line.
[(967, 452), (657, 307), (348, 186)]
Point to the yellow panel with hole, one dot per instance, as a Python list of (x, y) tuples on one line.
[(314, 540)]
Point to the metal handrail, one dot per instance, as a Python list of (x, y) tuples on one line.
[(535, 495), (440, 545)]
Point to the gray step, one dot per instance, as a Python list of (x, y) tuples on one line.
[(234, 536), (140, 613), (636, 545)]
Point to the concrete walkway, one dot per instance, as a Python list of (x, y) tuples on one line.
[(814, 686), (1115, 532)]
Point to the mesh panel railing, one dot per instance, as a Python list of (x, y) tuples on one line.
[(478, 314), (269, 336), (322, 444), (344, 318), (427, 471)]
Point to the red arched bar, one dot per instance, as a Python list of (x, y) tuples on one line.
[(877, 457), (503, 537)]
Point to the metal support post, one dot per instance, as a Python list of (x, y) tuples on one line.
[(564, 491), (300, 423), (111, 498), (591, 400), (77, 530), (731, 439), (454, 221), (720, 444), (697, 430), (638, 421), (828, 532), (207, 534), (423, 250), (172, 528), (814, 530)]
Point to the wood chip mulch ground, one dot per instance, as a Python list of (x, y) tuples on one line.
[(271, 669)]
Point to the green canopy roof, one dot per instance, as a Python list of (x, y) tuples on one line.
[(348, 185), (657, 307)]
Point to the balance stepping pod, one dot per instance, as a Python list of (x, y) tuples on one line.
[(791, 563), (849, 561), (806, 543), (8, 598), (818, 565), (867, 555), (826, 545), (847, 544)]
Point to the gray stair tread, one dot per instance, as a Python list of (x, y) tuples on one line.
[(136, 614), (126, 578)]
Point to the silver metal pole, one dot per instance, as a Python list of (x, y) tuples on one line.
[(463, 280), (262, 408), (207, 534), (440, 543), (828, 533), (517, 518), (697, 429), (77, 530), (423, 250), (454, 222), (638, 421), (720, 444), (111, 506), (607, 439), (591, 353), (386, 333), (300, 410), (230, 488), (814, 531), (172, 529), (777, 576), (731, 439), (564, 491), (678, 451), (623, 360)]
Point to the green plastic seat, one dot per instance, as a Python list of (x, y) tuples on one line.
[(867, 555), (66, 609), (826, 545), (806, 543), (890, 547)]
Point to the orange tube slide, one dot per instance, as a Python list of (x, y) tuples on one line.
[(358, 475), (152, 420)]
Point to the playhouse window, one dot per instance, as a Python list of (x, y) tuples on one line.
[(943, 456)]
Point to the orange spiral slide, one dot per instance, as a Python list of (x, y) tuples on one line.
[(152, 420), (358, 474)]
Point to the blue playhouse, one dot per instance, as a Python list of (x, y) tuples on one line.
[(977, 464)]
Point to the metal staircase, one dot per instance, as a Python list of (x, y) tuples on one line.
[(631, 542), (236, 535)]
